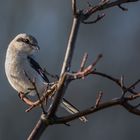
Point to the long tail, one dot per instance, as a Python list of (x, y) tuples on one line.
[(72, 109)]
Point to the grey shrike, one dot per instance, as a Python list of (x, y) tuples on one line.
[(20, 62)]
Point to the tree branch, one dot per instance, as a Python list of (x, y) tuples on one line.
[(114, 102), (63, 83), (80, 16), (104, 5), (38, 130)]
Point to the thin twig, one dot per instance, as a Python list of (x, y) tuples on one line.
[(41, 104), (117, 81), (105, 5), (122, 85), (82, 66), (86, 71), (99, 17), (98, 100), (134, 84), (74, 7), (122, 8), (36, 90)]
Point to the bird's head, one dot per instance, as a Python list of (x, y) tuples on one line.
[(25, 44)]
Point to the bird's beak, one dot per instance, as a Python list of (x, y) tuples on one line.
[(36, 47)]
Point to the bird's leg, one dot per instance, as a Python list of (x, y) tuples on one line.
[(44, 97), (29, 102), (24, 98)]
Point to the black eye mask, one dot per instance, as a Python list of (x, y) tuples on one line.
[(27, 41), (23, 40)]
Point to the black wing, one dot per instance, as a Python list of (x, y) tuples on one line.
[(37, 68)]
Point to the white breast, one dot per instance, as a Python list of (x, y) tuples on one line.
[(16, 65)]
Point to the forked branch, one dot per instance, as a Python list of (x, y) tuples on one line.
[(66, 76)]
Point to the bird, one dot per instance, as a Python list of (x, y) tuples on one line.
[(21, 69)]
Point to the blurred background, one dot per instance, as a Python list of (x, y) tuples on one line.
[(117, 37)]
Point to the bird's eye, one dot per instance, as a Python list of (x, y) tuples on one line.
[(27, 41), (23, 40)]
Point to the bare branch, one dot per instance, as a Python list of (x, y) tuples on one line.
[(62, 84), (98, 100), (85, 57), (99, 17), (117, 81), (73, 110), (134, 84), (74, 7), (71, 46), (122, 8), (114, 102), (38, 129), (122, 85), (36, 90), (131, 108), (88, 111), (65, 76), (105, 4), (88, 70)]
